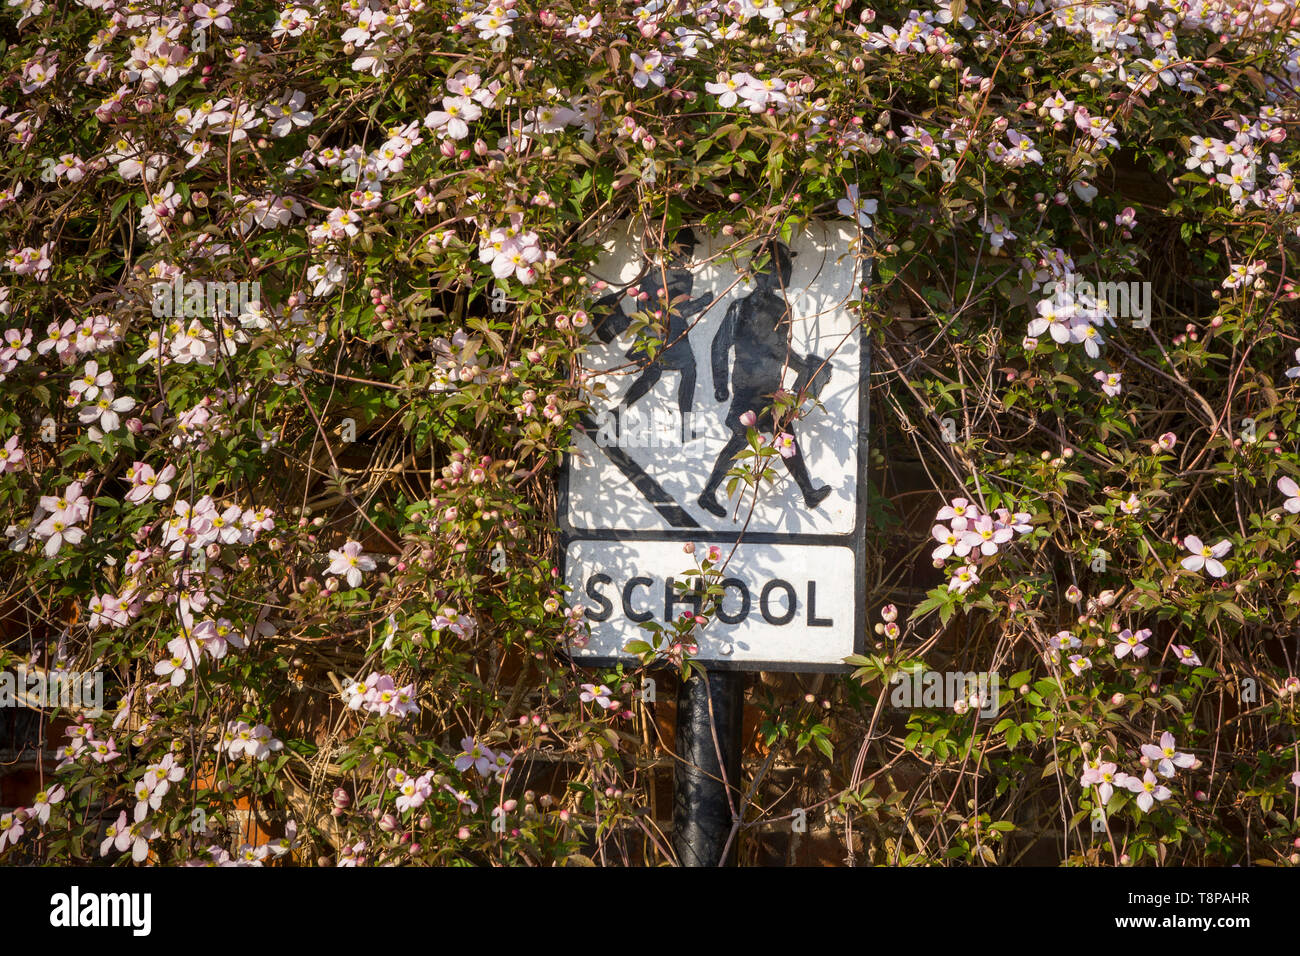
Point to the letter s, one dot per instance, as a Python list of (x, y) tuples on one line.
[(606, 606)]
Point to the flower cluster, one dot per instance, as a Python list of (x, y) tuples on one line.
[(974, 537), (1072, 318), (379, 694), (255, 742), (58, 518), (482, 759), (512, 250), (411, 791), (1105, 775), (83, 744)]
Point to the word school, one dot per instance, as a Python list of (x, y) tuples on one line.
[(777, 600)]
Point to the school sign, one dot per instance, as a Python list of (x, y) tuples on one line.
[(649, 473)]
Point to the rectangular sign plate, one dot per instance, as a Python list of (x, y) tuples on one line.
[(649, 470)]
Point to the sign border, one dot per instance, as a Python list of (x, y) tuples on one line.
[(855, 540)]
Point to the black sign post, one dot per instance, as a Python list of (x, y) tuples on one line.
[(709, 714)]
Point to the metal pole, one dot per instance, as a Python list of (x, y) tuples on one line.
[(701, 811)]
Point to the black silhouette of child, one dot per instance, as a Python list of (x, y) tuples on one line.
[(757, 327), (669, 289)]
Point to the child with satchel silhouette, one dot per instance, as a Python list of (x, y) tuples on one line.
[(757, 328)]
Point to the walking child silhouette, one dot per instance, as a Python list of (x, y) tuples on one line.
[(668, 289), (757, 328)]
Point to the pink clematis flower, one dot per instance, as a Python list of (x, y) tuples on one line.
[(1167, 756), (1104, 777), (45, 800), (1289, 488), (413, 792), (87, 386), (163, 774), (106, 411), (11, 830), (1130, 642), (146, 483), (476, 755), (958, 508), (350, 562), (136, 837), (182, 654), (854, 207), (950, 543), (1111, 382), (112, 833), (462, 797), (1149, 789), (593, 694), (72, 506), (146, 798), (103, 751), (1205, 557), (1063, 641), (965, 579), (986, 536), (11, 456), (57, 532)]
